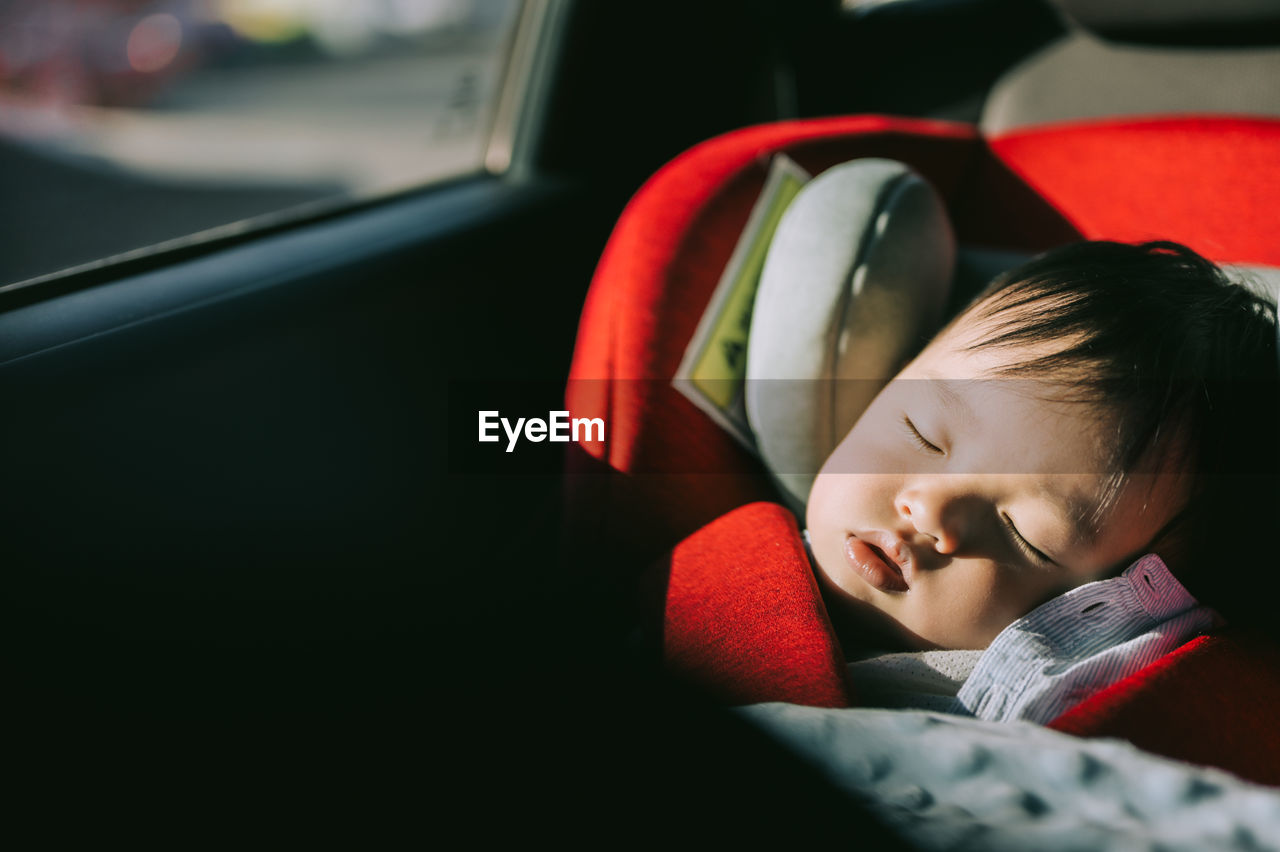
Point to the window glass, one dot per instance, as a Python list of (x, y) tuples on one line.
[(125, 124)]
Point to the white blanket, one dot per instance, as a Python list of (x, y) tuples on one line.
[(951, 782)]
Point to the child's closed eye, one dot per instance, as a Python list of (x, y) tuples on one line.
[(1027, 548), (919, 439)]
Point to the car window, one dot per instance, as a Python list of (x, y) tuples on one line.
[(125, 124)]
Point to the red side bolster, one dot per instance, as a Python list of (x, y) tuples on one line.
[(1212, 702), (1208, 181), (744, 617)]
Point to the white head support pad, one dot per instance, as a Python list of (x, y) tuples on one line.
[(856, 279)]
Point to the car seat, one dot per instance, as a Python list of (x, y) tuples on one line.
[(651, 491)]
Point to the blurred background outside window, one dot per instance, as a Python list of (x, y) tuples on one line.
[(128, 123)]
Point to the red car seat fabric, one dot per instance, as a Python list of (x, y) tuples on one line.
[(1211, 183)]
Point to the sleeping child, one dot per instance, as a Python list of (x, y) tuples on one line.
[(1073, 478)]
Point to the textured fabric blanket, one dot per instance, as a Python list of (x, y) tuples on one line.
[(950, 782)]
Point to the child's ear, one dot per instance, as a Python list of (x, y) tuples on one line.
[(858, 273)]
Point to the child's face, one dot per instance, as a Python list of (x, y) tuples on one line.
[(919, 525)]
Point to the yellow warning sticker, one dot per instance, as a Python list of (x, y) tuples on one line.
[(714, 369)]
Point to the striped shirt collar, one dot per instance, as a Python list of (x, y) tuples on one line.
[(1081, 642)]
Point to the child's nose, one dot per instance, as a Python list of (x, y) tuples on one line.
[(931, 514)]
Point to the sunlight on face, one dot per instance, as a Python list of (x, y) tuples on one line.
[(961, 501)]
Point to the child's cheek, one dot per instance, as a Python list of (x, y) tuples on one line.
[(964, 606)]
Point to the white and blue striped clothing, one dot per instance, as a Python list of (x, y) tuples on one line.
[(1051, 659)]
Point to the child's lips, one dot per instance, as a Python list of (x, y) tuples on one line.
[(874, 565)]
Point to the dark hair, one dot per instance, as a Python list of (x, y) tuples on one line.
[(1187, 360)]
